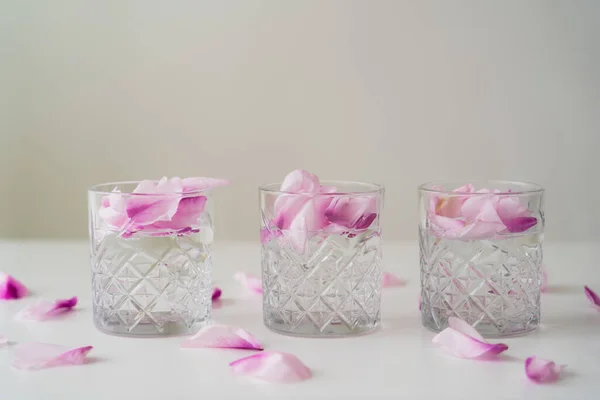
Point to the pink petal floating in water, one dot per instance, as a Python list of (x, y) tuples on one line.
[(542, 371), (251, 282), (450, 206), (592, 296), (352, 212), (216, 294), (311, 218), (187, 214), (3, 341), (10, 288), (519, 224), (462, 340), (544, 284), (224, 337), (301, 181), (46, 309), (391, 280), (33, 356), (444, 226), (272, 367)]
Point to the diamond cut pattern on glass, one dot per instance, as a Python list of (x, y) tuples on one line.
[(492, 284), (332, 288)]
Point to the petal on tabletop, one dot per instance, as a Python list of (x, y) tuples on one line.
[(47, 309), (542, 371), (216, 294), (224, 337), (272, 367), (390, 280), (462, 340), (34, 356), (251, 282), (10, 288), (592, 296)]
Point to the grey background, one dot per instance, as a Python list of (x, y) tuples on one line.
[(395, 92)]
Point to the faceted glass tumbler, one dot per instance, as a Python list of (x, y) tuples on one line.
[(320, 282), (481, 255), (150, 280)]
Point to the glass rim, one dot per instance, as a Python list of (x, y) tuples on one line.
[(370, 189), (528, 188), (99, 189)]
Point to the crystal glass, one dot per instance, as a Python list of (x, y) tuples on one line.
[(321, 279), (481, 255), (153, 280)]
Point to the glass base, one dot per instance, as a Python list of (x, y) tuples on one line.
[(488, 330), (151, 329), (308, 330)]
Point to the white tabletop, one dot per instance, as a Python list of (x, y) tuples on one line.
[(398, 361)]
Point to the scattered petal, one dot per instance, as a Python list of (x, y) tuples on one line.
[(544, 283), (391, 280), (46, 309), (542, 371), (272, 367), (251, 282), (592, 296), (223, 337), (462, 340), (33, 356), (216, 294), (10, 288)]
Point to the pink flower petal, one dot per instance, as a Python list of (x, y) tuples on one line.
[(519, 224), (420, 302), (197, 184), (352, 212), (272, 367), (188, 212), (300, 181), (251, 282), (10, 288), (391, 280), (510, 207), (33, 356), (480, 230), (592, 296), (446, 227), (224, 337), (45, 309), (542, 371), (472, 206), (311, 218), (544, 284), (266, 235), (462, 340), (216, 294), (145, 210)]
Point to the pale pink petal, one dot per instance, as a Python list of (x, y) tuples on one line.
[(33, 356), (46, 309), (592, 297), (251, 282), (462, 340), (542, 371), (544, 284), (310, 219), (300, 181), (198, 184), (272, 367), (510, 207), (328, 189), (391, 280), (352, 212), (147, 209), (472, 206), (3, 341), (188, 212), (10, 288), (216, 294), (148, 186), (446, 227), (223, 336)]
